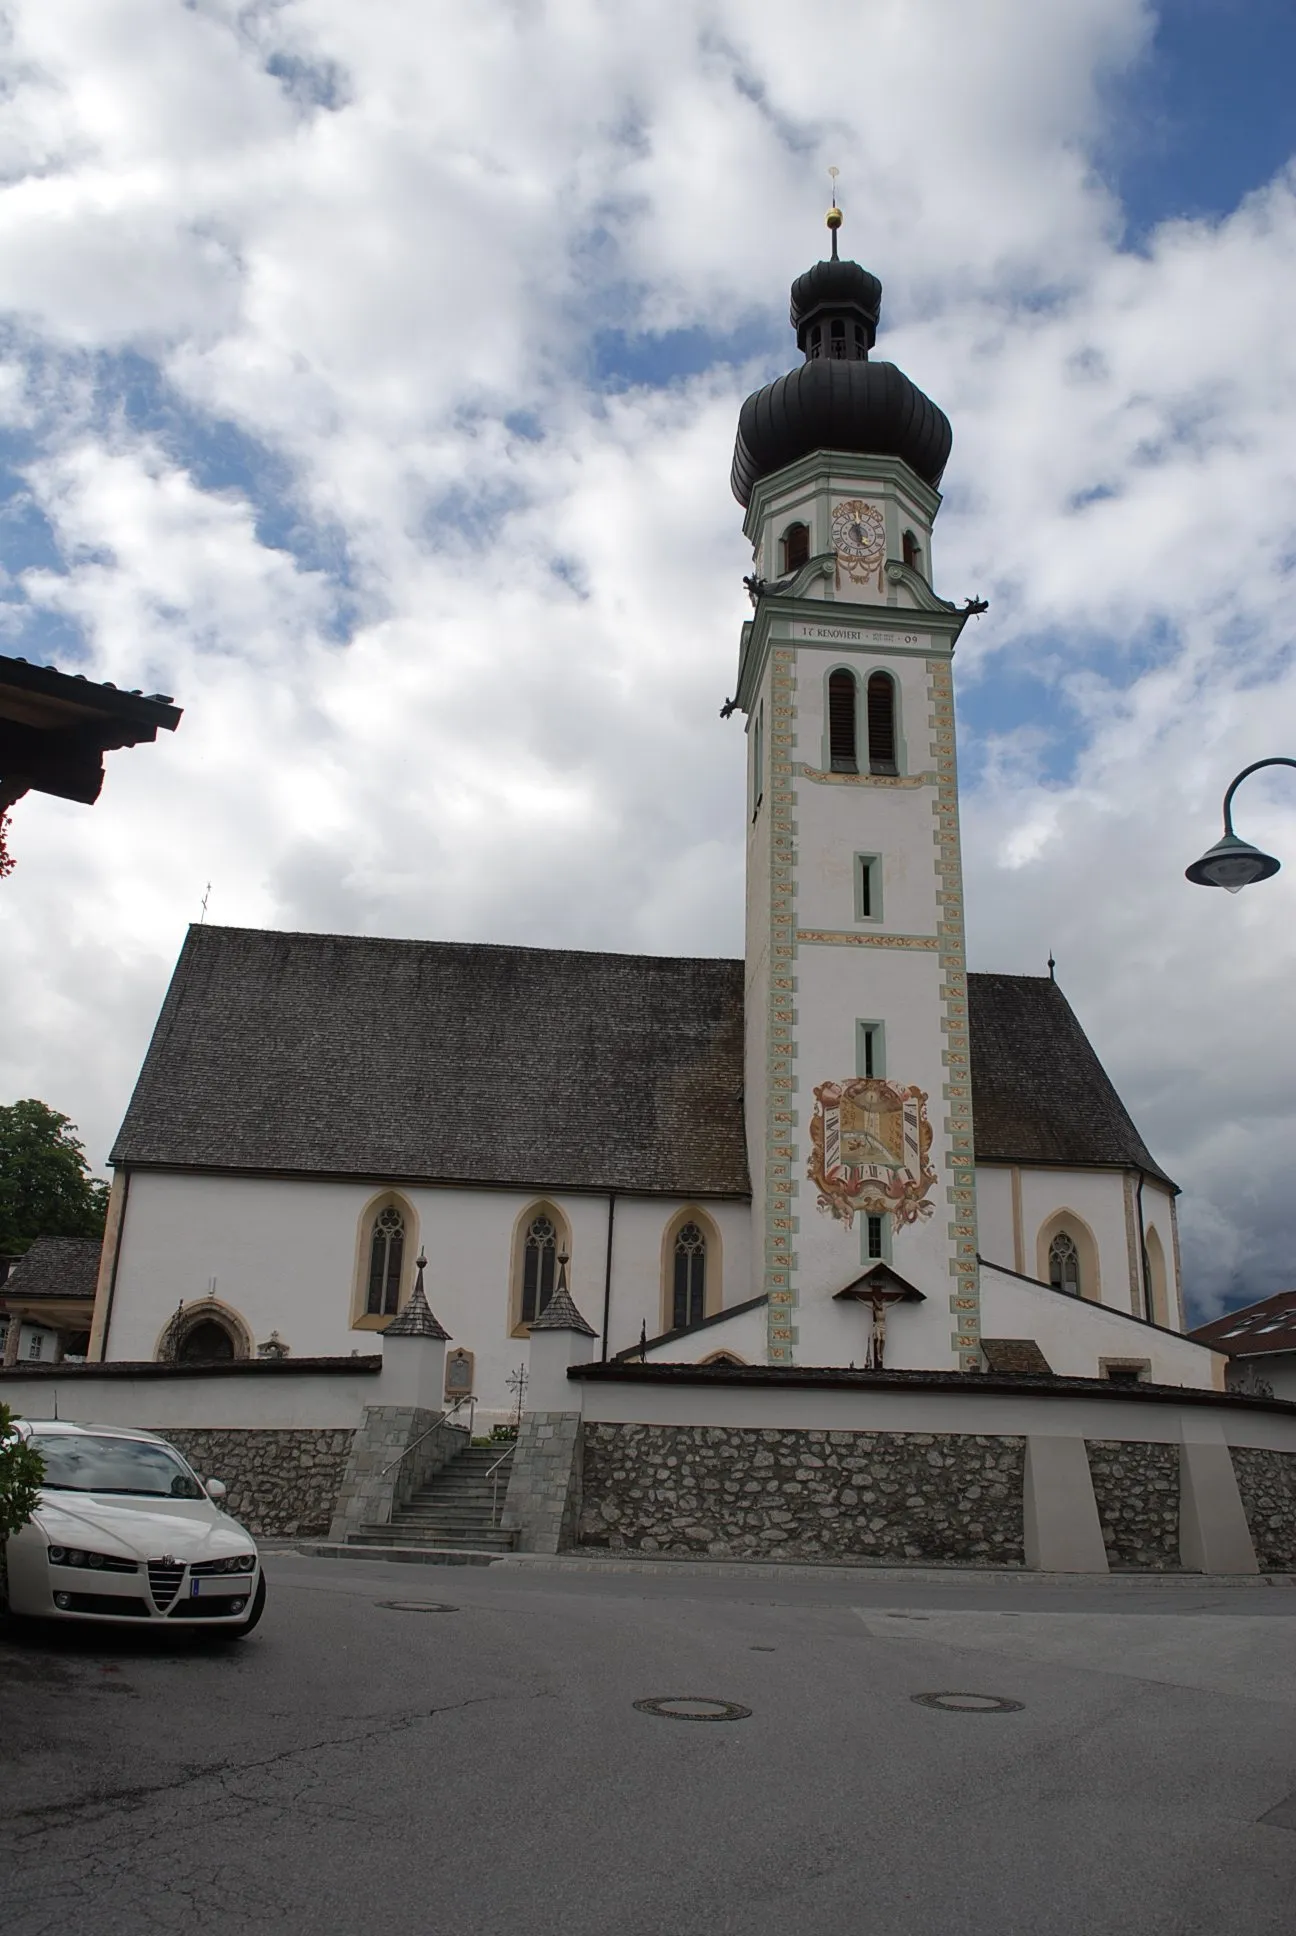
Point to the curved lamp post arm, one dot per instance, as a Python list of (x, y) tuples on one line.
[(1278, 760), (1233, 863)]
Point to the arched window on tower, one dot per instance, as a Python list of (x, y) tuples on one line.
[(1064, 1264), (689, 1306), (881, 723), (796, 546), (386, 1252), (837, 339), (841, 722), (816, 342), (912, 551), (539, 1267)]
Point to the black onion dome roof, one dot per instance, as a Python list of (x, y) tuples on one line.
[(838, 285), (872, 408)]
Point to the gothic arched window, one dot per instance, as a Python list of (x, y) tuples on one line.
[(796, 546), (539, 1267), (1064, 1264), (841, 723), (880, 697), (208, 1343), (386, 1252), (689, 1304)]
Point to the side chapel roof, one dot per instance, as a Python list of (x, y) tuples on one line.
[(436, 1061), (55, 1267)]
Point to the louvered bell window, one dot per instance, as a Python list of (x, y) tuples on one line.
[(841, 722), (796, 547), (881, 723)]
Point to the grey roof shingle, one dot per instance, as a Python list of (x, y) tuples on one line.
[(445, 1062), (1039, 1093), (453, 1062), (56, 1267)]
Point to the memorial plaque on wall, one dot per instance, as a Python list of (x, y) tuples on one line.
[(458, 1374)]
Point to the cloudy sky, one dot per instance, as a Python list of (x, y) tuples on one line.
[(368, 381)]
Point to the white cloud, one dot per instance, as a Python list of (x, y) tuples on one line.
[(452, 647)]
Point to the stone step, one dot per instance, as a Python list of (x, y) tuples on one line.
[(451, 1542)]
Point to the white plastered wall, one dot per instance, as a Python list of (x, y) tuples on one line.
[(283, 1255), (1077, 1337)]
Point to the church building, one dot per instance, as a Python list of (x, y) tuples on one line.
[(843, 1149)]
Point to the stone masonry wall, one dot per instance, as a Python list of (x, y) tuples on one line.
[(741, 1493), (397, 1449), (281, 1483), (1267, 1482), (1136, 1488), (542, 1505)]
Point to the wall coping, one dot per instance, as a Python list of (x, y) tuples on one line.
[(952, 1383), (366, 1367)]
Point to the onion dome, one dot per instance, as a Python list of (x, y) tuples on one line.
[(837, 399)]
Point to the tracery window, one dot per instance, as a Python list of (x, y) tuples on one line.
[(880, 698), (386, 1253), (539, 1267), (689, 1305), (1064, 1264), (841, 723)]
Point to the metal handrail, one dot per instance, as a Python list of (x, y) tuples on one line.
[(436, 1425), (495, 1482)]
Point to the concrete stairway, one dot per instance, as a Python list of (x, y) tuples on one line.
[(454, 1510)]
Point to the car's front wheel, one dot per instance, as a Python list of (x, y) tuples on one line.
[(257, 1608)]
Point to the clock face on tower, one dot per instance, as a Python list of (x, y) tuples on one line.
[(859, 540)]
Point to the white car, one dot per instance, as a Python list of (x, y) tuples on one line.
[(126, 1531)]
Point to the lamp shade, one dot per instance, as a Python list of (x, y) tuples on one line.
[(1232, 864)]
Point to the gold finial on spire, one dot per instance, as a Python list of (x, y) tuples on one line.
[(834, 215)]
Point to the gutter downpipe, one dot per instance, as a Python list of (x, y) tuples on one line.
[(1143, 1257), (607, 1280), (112, 1281)]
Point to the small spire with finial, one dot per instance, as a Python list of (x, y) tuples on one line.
[(834, 215), (1051, 966)]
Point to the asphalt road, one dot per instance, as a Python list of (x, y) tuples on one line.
[(354, 1768)]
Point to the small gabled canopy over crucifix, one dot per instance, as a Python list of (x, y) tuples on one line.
[(879, 1283)]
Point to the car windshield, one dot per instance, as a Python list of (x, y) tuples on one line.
[(81, 1462)]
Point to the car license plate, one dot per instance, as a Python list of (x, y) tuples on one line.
[(226, 1584)]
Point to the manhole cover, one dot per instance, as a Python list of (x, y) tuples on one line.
[(694, 1707), (416, 1606), (954, 1703)]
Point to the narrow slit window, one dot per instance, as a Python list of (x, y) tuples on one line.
[(841, 722), (871, 1060), (912, 551), (874, 1241), (796, 546), (881, 723), (866, 895)]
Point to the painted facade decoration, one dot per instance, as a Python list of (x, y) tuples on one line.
[(859, 540), (870, 1144)]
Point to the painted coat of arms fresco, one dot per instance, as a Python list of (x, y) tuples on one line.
[(869, 1150)]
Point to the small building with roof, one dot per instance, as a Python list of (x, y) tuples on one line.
[(1260, 1340), (47, 1300)]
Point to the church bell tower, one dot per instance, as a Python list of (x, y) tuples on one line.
[(859, 1106)]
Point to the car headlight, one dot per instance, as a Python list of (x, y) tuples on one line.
[(236, 1563), (77, 1556)]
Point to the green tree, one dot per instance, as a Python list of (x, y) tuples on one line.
[(21, 1471), (46, 1189)]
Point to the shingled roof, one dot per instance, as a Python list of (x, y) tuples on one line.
[(445, 1062), (435, 1061), (1039, 1093), (56, 1267)]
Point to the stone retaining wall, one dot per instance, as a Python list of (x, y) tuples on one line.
[(1136, 1489), (1267, 1483), (740, 1493), (281, 1483)]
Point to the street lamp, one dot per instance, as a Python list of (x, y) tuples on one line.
[(1232, 863)]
